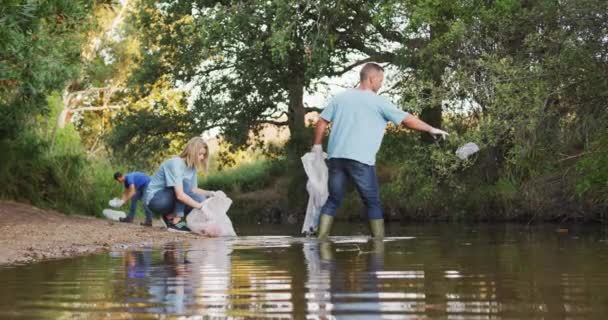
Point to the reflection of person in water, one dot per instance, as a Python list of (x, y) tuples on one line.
[(211, 257), (327, 276), (137, 276), (320, 265), (171, 284), (201, 266), (137, 264), (375, 263)]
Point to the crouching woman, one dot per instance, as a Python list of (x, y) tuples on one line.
[(173, 189)]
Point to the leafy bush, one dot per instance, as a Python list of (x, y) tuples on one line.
[(245, 178), (63, 179)]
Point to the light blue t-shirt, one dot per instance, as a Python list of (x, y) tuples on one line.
[(171, 173), (358, 119)]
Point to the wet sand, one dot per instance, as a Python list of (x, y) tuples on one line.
[(29, 234)]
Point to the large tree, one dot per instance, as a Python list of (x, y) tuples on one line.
[(248, 63), (40, 43), (91, 99), (251, 62)]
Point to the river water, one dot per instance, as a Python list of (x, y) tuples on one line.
[(417, 272)]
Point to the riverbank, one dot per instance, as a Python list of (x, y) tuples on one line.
[(29, 234)]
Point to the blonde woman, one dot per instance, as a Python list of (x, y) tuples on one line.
[(173, 190)]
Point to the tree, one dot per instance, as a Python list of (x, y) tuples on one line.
[(92, 98), (249, 63), (39, 44)]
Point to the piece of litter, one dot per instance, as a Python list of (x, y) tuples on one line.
[(114, 214), (467, 150)]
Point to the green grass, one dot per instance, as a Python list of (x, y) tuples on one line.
[(61, 178), (245, 178)]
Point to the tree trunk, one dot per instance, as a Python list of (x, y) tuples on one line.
[(298, 145), (61, 116), (432, 114), (297, 128)]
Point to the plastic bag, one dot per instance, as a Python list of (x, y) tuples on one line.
[(114, 214), (211, 219), (116, 203), (316, 170), (467, 150)]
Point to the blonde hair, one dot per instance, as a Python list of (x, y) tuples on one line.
[(191, 151)]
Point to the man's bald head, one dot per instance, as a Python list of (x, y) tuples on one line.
[(369, 70), (371, 76)]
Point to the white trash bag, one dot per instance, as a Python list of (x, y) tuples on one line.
[(211, 219), (114, 214), (467, 150), (116, 203), (316, 170)]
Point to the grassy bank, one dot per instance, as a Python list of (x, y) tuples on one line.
[(58, 176), (411, 189), (428, 184)]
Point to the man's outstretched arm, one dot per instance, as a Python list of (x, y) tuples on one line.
[(413, 122)]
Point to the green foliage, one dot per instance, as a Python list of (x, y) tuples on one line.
[(593, 168), (526, 80), (251, 62), (40, 45), (63, 179), (157, 126), (245, 178)]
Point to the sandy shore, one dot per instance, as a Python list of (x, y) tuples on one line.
[(29, 234)]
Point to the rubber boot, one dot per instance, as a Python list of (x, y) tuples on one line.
[(325, 222), (378, 247), (325, 250), (377, 227)]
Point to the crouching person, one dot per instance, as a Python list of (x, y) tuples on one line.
[(135, 184), (173, 190)]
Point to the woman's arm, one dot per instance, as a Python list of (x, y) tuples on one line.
[(206, 193), (185, 198)]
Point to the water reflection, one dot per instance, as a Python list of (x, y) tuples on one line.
[(470, 274), (354, 288)]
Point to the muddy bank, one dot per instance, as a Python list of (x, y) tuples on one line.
[(29, 234)]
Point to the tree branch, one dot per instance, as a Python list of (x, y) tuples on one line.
[(313, 109), (218, 67), (350, 67), (375, 55), (394, 86), (273, 122), (95, 108)]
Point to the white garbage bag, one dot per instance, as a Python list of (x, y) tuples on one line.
[(116, 203), (114, 214), (467, 150), (211, 219), (316, 170)]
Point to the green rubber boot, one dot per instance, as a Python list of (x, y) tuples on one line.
[(325, 250), (377, 227), (325, 223)]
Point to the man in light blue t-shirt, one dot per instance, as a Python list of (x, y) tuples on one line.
[(358, 118)]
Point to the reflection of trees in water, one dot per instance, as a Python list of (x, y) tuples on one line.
[(501, 270), (474, 271), (263, 272)]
